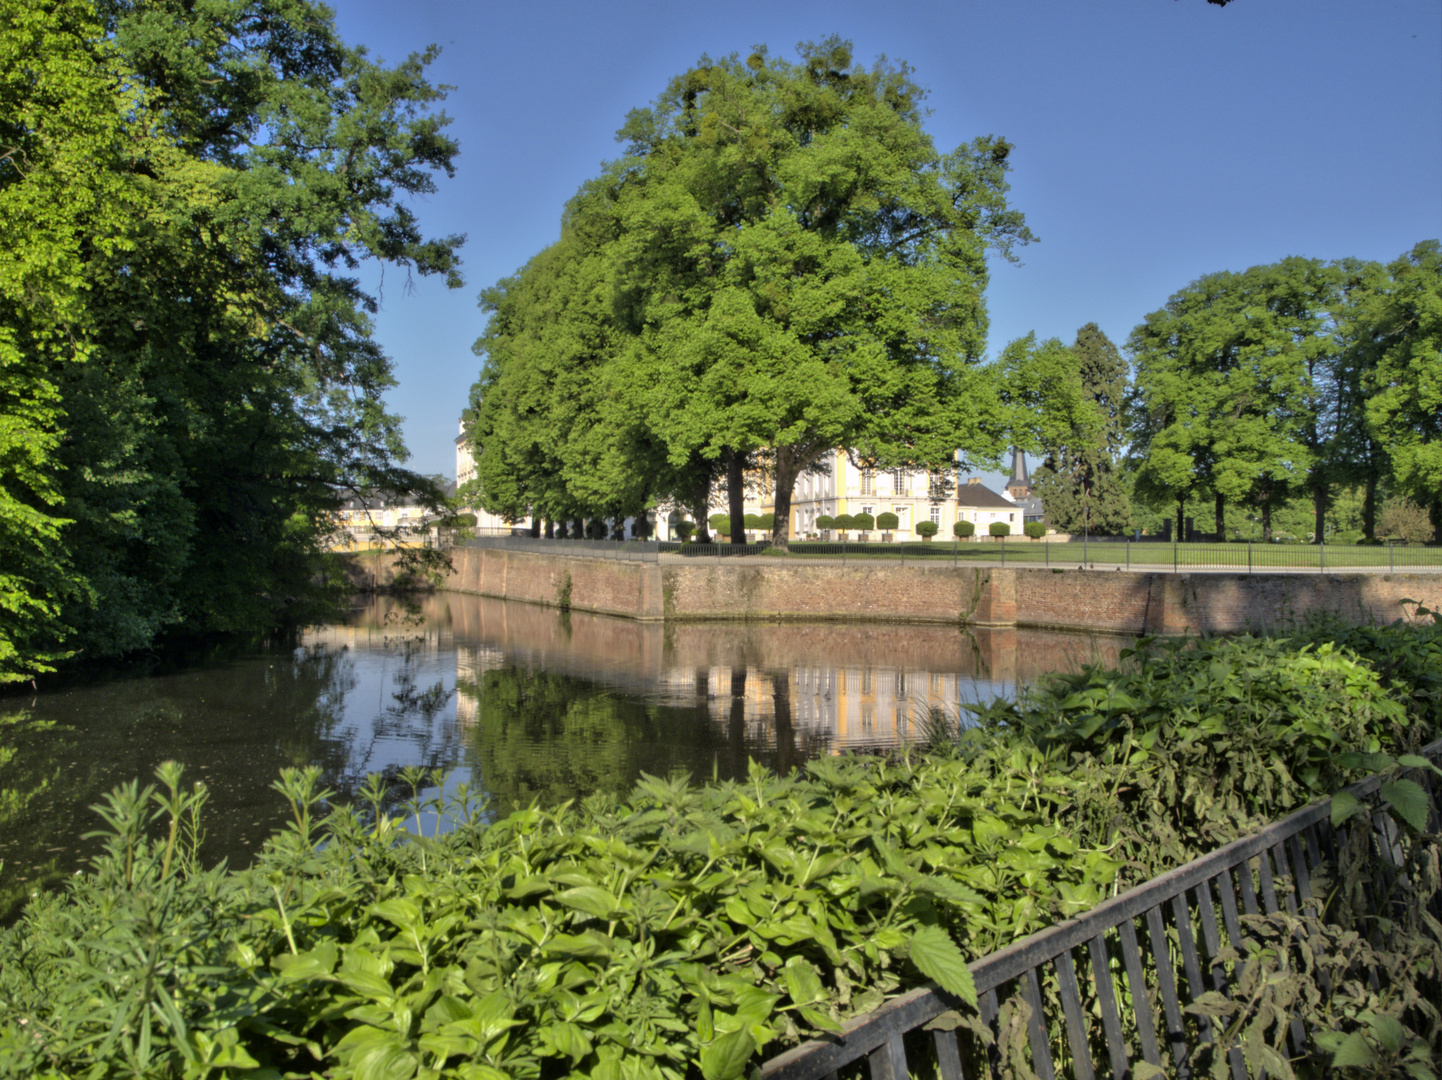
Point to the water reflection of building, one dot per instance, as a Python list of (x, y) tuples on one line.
[(473, 661)]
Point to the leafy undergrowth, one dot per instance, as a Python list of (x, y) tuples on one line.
[(685, 930)]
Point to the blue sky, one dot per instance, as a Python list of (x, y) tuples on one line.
[(1156, 140)]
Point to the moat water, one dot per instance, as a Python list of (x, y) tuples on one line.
[(520, 702)]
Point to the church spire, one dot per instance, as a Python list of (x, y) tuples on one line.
[(1019, 483)]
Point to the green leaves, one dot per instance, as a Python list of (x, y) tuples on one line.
[(936, 956), (727, 1057)]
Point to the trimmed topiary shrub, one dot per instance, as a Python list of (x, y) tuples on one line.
[(1035, 529), (684, 529), (720, 524), (964, 530), (843, 522), (887, 522), (825, 521), (999, 528), (863, 522), (768, 522), (927, 529)]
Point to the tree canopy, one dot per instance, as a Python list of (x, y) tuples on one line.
[(784, 264), (187, 191)]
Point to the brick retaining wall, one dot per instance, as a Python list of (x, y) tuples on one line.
[(1142, 602)]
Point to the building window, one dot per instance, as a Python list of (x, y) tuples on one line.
[(903, 524), (935, 514), (869, 510), (868, 482), (1010, 517), (900, 482)]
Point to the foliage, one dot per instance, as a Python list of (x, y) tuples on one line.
[(826, 521), (720, 524), (927, 529), (1404, 384), (999, 528), (1034, 529), (1069, 407), (887, 521), (1403, 520), (188, 364), (964, 529), (682, 931), (863, 522), (843, 522)]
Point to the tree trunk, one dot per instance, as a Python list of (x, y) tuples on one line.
[(550, 529), (736, 494), (1220, 517), (1369, 507), (535, 529), (1319, 511), (1181, 517), (1434, 512), (1266, 521), (785, 475), (699, 510)]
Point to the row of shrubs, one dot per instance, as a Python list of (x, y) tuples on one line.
[(685, 931)]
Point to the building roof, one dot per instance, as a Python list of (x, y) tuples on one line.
[(981, 497), (1020, 479)]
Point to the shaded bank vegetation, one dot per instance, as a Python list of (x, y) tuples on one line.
[(680, 930)]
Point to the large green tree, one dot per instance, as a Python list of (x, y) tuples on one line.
[(1232, 382), (1403, 383), (799, 268), (1070, 405), (227, 388)]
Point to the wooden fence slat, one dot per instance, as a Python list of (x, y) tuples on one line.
[(1212, 938), (948, 1055), (1076, 1032), (1141, 996), (1288, 853), (1167, 984), (1107, 1000), (1036, 1028), (888, 1062), (990, 1010), (1196, 987)]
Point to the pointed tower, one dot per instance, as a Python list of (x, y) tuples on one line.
[(1018, 485)]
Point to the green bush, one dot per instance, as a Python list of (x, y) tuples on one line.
[(720, 524), (927, 529), (887, 522), (684, 529), (825, 521), (999, 528), (1034, 529), (863, 522), (964, 530), (768, 522), (843, 522)]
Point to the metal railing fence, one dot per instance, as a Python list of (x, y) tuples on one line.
[(1109, 554), (1157, 948)]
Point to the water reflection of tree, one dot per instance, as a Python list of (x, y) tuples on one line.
[(550, 737)]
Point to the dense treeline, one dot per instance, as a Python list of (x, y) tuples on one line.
[(187, 378), (682, 931), (781, 263)]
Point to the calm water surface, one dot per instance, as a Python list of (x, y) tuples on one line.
[(519, 701)]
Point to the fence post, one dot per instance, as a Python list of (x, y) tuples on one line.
[(1174, 556), (1249, 556), (1047, 545), (1321, 556), (843, 549), (1003, 551), (1391, 559), (1129, 554)]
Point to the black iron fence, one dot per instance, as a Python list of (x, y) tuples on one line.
[(1159, 948)]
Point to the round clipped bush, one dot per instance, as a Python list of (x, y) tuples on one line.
[(927, 529), (684, 529), (964, 529), (825, 521), (1035, 529), (720, 524), (863, 522), (887, 522), (843, 522), (768, 522), (1000, 528), (753, 521)]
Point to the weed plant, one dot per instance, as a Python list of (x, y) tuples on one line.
[(685, 930)]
